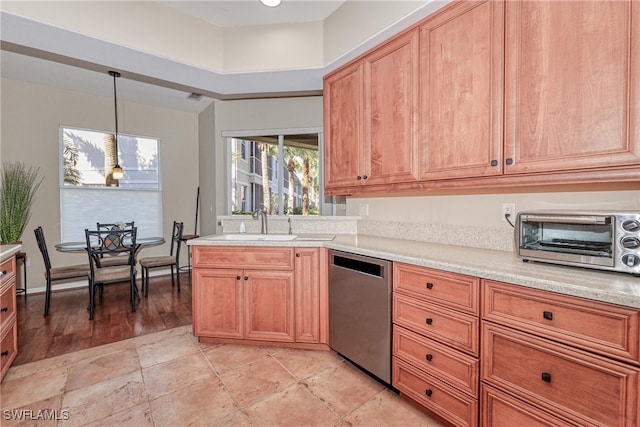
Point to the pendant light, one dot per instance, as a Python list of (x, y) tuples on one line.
[(271, 3), (117, 172)]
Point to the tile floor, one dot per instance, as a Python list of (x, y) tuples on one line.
[(169, 379)]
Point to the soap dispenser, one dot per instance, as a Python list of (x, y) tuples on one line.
[(243, 228)]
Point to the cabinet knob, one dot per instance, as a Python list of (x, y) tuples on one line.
[(428, 392), (298, 254), (509, 161), (358, 177), (3, 272), (546, 377), (3, 309), (494, 163), (429, 357), (246, 277), (238, 277), (547, 315), (429, 320), (5, 353), (364, 177), (429, 285)]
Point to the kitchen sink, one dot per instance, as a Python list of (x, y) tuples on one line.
[(254, 237)]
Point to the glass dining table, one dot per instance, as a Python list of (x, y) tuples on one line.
[(141, 243)]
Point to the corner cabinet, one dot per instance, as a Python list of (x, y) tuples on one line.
[(370, 115), (572, 85), (257, 294)]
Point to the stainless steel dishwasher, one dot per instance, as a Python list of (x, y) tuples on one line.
[(360, 311)]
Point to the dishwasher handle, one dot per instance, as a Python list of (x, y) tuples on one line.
[(371, 266)]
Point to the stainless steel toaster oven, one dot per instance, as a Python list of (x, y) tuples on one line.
[(602, 240)]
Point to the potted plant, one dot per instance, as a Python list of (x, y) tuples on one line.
[(18, 185)]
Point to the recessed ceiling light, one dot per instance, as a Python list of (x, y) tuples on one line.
[(271, 3)]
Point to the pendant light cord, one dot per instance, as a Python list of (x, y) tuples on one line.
[(115, 75)]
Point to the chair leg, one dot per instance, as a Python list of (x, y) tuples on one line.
[(146, 288), (47, 296), (177, 275), (92, 299), (172, 281), (142, 284), (132, 286)]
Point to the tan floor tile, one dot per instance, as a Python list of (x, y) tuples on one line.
[(104, 399), (137, 416), (389, 410), (228, 357), (45, 413), (294, 406), (175, 374), (343, 387), (254, 381), (42, 385), (203, 403), (162, 347), (100, 368), (302, 363)]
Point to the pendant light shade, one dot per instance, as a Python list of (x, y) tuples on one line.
[(116, 172), (271, 3)]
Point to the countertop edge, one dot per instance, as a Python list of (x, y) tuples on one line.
[(6, 251), (611, 287)]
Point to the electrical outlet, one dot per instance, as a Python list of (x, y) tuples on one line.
[(508, 209), (364, 209)]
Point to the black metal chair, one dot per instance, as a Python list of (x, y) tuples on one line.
[(53, 274), (172, 260), (114, 259), (109, 243)]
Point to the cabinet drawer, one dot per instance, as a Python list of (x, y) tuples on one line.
[(8, 269), (451, 366), (450, 327), (584, 388), (8, 348), (501, 410), (271, 258), (435, 395), (7, 304), (449, 289), (603, 328)]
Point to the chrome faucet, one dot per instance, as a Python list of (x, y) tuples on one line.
[(264, 228), (290, 230)]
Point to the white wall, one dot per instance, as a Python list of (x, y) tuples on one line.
[(30, 121)]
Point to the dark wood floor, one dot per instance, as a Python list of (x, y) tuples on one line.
[(68, 328)]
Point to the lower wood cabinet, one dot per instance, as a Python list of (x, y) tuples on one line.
[(8, 315), (436, 341), (257, 294), (550, 359)]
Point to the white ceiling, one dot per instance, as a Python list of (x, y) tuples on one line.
[(244, 13), (236, 13)]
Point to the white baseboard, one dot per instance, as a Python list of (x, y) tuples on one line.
[(83, 283)]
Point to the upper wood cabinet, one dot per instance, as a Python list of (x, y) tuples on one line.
[(572, 85), (370, 115), (461, 81)]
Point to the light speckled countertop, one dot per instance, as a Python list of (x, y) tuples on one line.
[(617, 288), (8, 250)]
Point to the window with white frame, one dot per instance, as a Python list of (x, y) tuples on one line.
[(89, 194)]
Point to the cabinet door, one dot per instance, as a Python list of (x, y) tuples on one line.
[(307, 295), (269, 305), (217, 308), (461, 78), (391, 107), (572, 76), (343, 116)]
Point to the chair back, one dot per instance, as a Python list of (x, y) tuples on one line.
[(100, 226), (176, 238), (101, 243), (42, 245)]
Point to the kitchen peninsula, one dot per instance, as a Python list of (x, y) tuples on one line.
[(575, 322)]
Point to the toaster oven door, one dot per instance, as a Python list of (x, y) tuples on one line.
[(576, 239)]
